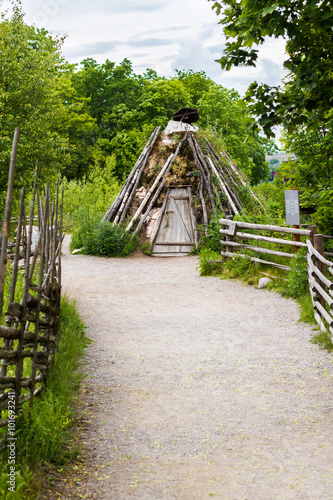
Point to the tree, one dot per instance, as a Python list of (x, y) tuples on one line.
[(36, 93), (196, 83), (306, 97)]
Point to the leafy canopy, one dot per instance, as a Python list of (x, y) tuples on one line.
[(307, 95), (36, 92)]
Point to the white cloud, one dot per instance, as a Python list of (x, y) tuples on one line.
[(160, 34)]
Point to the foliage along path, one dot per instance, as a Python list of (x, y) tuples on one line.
[(197, 387)]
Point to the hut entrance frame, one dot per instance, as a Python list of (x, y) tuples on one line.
[(175, 232)]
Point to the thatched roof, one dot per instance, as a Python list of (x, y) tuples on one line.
[(171, 160)]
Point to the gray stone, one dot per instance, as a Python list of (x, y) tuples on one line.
[(263, 282)]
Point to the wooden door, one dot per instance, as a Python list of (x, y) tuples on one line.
[(176, 232)]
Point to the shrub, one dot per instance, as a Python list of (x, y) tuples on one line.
[(206, 255), (103, 238), (296, 284)]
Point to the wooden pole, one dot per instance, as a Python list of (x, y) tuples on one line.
[(141, 161), (166, 169), (297, 238), (8, 212), (318, 243), (200, 162), (229, 237), (224, 189), (203, 204)]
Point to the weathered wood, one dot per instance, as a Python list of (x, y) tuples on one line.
[(194, 222), (32, 303), (312, 250), (231, 190), (222, 166), (223, 187), (203, 205), (145, 153), (322, 311), (258, 249), (218, 198), (39, 293), (315, 271), (316, 287), (14, 309), (8, 212), (268, 227), (176, 231), (230, 236), (226, 178), (173, 243), (319, 321), (151, 190), (164, 172), (255, 259), (200, 162), (158, 222), (233, 166), (268, 239), (8, 354), (126, 197), (12, 286)]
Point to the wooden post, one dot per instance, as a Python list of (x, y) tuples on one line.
[(8, 213), (313, 230), (229, 237), (297, 238), (318, 243)]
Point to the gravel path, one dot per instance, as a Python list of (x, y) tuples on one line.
[(198, 387)]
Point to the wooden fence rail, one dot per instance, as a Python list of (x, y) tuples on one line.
[(232, 232), (30, 325), (319, 267), (321, 288)]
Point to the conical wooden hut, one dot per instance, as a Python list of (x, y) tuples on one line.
[(175, 187)]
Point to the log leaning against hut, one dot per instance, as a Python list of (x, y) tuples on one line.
[(176, 186)]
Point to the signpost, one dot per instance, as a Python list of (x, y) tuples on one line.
[(292, 207), (291, 199)]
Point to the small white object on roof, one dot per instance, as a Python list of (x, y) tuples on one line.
[(174, 127)]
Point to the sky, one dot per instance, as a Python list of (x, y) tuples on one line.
[(164, 35), (160, 34)]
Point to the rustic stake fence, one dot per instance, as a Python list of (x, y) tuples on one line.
[(30, 325), (319, 267)]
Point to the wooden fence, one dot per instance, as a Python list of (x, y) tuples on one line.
[(321, 288), (319, 267), (31, 303)]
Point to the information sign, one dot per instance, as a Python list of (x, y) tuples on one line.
[(292, 207)]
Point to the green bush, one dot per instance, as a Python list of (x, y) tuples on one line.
[(92, 195), (102, 238), (296, 284), (206, 255), (83, 234)]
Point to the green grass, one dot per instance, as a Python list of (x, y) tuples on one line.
[(43, 434), (324, 340)]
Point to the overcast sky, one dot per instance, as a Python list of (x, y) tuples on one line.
[(160, 34)]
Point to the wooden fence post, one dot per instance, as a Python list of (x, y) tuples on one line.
[(318, 243), (313, 230), (229, 237)]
